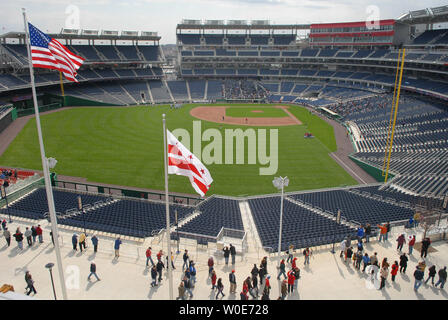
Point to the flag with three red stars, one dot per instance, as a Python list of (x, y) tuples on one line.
[(184, 163)]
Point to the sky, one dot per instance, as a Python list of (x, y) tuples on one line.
[(162, 16)]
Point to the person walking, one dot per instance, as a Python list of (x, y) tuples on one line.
[(192, 274), (186, 258), (94, 240), (255, 285), (154, 276), (284, 289), (210, 264), (7, 235), (425, 246), (291, 279), (213, 276), (358, 260), (290, 253), (403, 263), (388, 229), (383, 232), (28, 235), (160, 266), (411, 244), (360, 246), (383, 273), (93, 271), (233, 253), (159, 256), (394, 270), (187, 285), (264, 264), (374, 259), (297, 277), (232, 280), (365, 261), (148, 257), (39, 233), (400, 242), (117, 245), (172, 261), (33, 233), (254, 271), (431, 274), (360, 233), (348, 254), (307, 253), (418, 275), (19, 238), (226, 254), (220, 287), (261, 273), (82, 241), (181, 290), (442, 278), (385, 263), (29, 283), (75, 242), (368, 232), (282, 269)]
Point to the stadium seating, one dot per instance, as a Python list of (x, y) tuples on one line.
[(178, 90)]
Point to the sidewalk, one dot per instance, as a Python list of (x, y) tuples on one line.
[(327, 277)]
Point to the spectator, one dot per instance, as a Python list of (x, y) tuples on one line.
[(39, 233), (192, 274), (431, 275), (4, 223), (28, 237), (383, 232), (343, 248), (75, 241), (160, 266), (394, 270), (82, 241), (307, 253), (210, 264), (117, 245), (19, 238), (442, 278), (186, 258), (220, 287), (94, 240), (385, 263), (360, 233), (374, 259), (348, 254), (388, 228), (282, 268), (172, 261), (261, 273), (291, 279), (232, 253), (294, 264), (400, 242), (411, 244), (418, 275), (290, 253), (93, 271), (366, 261), (29, 283), (148, 257), (425, 246), (403, 263), (383, 273), (154, 275), (264, 264), (33, 233), (232, 280), (159, 255), (7, 236), (213, 276), (226, 254), (284, 289), (368, 232), (255, 285), (254, 271), (187, 285), (360, 246), (358, 260), (181, 290), (297, 277)]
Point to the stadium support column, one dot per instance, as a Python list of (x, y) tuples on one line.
[(168, 233), (45, 168)]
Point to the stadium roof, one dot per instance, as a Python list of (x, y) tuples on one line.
[(76, 34), (238, 24), (426, 16)]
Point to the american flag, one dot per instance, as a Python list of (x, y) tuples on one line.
[(49, 53), (184, 163)]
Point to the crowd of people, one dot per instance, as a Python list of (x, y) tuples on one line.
[(371, 263)]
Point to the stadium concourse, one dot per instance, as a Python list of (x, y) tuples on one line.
[(326, 277)]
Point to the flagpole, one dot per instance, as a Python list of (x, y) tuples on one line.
[(48, 189), (168, 233)]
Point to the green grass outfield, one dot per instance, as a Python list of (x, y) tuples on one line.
[(245, 112), (124, 146)]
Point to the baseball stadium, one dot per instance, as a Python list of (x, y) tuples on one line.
[(352, 116)]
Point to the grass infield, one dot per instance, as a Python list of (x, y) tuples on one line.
[(124, 146)]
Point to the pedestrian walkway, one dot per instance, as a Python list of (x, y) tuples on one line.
[(327, 276)]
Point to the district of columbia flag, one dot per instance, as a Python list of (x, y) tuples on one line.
[(184, 163), (49, 53)]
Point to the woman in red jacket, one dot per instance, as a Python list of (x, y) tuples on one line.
[(213, 279), (411, 244), (394, 270), (291, 279)]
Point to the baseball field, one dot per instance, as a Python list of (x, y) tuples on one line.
[(124, 146)]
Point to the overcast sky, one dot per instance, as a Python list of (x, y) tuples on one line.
[(163, 15)]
